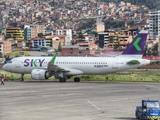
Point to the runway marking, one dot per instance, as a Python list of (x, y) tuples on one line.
[(153, 86), (93, 105)]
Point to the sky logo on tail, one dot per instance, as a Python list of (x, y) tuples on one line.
[(136, 44)]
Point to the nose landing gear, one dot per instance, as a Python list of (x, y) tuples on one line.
[(22, 77)]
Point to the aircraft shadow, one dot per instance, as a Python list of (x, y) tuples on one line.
[(68, 81), (57, 81), (40, 81), (32, 81)]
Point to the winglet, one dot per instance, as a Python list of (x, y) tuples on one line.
[(136, 47), (54, 57)]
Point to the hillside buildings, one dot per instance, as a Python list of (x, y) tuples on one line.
[(40, 25), (30, 31), (5, 45), (154, 25), (100, 26), (15, 33), (103, 39)]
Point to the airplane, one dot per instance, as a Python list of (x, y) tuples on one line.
[(41, 68)]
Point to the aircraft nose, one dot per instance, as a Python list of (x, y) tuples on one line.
[(4, 67)]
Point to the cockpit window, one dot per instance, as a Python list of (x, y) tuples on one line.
[(8, 61)]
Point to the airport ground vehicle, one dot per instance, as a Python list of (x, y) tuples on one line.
[(150, 110)]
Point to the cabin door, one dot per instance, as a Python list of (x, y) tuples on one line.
[(115, 63)]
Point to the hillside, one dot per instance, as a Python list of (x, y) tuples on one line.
[(151, 4)]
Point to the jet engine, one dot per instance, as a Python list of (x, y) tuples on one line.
[(39, 74)]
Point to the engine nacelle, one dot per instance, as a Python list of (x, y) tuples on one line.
[(39, 74)]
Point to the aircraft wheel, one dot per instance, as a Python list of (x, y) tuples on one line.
[(76, 79), (22, 77), (62, 80)]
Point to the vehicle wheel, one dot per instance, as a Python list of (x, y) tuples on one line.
[(137, 115), (76, 79), (142, 117)]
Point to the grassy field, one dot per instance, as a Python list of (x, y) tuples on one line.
[(116, 77), (123, 77)]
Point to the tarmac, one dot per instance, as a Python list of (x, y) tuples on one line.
[(73, 101)]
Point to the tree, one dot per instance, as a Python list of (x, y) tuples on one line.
[(2, 3), (114, 24), (40, 34), (151, 4), (155, 50), (28, 44), (131, 23), (145, 50), (80, 35), (1, 55), (93, 33), (86, 23), (117, 43), (14, 24), (53, 3)]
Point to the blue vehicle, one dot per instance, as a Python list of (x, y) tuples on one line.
[(150, 110)]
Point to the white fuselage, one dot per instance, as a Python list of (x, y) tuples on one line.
[(87, 65)]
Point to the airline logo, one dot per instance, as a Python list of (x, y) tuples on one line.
[(136, 44), (33, 62)]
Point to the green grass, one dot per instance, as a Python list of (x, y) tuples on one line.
[(117, 77)]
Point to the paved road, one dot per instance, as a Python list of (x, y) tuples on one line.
[(73, 101), (35, 53)]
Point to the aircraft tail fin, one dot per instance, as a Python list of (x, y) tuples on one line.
[(136, 47)]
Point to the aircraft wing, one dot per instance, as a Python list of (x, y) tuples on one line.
[(52, 68), (56, 68)]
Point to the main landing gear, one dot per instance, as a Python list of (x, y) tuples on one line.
[(76, 79), (62, 80)]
